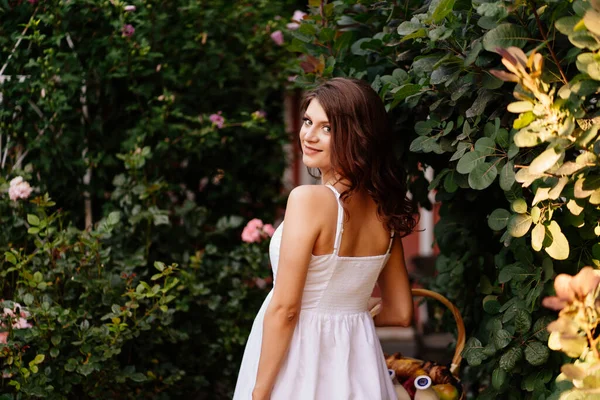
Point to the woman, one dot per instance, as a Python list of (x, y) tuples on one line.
[(314, 337)]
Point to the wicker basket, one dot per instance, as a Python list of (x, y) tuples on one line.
[(460, 342)]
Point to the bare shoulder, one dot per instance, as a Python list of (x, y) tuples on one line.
[(308, 196)]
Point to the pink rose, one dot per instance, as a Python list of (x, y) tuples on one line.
[(128, 30), (297, 18), (22, 324), (3, 337), (277, 37), (217, 119), (19, 189), (255, 231), (269, 230)]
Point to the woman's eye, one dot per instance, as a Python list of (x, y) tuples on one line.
[(327, 129), (307, 121)]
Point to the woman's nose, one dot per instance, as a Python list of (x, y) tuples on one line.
[(310, 134)]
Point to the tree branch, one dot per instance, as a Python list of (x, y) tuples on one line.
[(545, 36)]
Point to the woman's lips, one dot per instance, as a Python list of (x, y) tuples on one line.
[(309, 151)]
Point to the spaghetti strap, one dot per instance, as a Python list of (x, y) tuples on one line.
[(340, 222), (391, 242)]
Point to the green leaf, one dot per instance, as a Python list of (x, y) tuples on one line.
[(491, 304), (138, 377), (541, 194), (498, 219), (501, 339), (565, 25), (439, 9), (408, 27), (404, 91), (33, 219), (536, 353), (28, 299), (519, 206), (114, 218), (473, 352), (507, 176), (10, 257), (539, 328), (498, 378), (482, 176), (518, 225), (588, 63), (356, 47), (469, 161), (537, 237), (504, 36), (509, 360), (522, 321), (559, 249), (509, 272), (584, 40), (485, 145)]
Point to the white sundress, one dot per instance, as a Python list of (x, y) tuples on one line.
[(334, 353)]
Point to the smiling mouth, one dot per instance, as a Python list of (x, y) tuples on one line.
[(311, 150)]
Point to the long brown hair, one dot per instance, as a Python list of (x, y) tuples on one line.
[(362, 146)]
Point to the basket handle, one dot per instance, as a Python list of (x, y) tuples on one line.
[(460, 340)]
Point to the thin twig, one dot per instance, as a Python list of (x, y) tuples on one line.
[(552, 54), (18, 41)]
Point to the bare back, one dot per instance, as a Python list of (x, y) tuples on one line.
[(364, 234)]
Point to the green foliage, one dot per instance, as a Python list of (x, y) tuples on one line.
[(529, 167), (144, 126)]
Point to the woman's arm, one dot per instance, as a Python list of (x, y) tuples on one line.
[(396, 298), (299, 235)]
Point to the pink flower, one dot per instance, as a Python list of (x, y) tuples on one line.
[(128, 30), (22, 324), (217, 119), (19, 189), (3, 337), (129, 8), (255, 231), (297, 18), (269, 230), (259, 115), (277, 37)]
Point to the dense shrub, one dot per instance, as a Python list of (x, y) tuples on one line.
[(440, 67), (150, 132)]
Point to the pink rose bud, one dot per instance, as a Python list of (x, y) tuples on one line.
[(129, 8), (277, 37)]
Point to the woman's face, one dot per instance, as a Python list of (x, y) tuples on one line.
[(315, 138)]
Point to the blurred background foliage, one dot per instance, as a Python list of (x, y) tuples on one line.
[(156, 129)]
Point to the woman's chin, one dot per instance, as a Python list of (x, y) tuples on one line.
[(309, 162)]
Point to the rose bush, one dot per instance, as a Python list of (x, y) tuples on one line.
[(135, 140)]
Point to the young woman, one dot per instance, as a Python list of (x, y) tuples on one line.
[(314, 338)]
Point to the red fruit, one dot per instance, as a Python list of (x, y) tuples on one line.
[(409, 385)]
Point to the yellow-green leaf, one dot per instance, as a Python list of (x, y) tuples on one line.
[(559, 249), (537, 237)]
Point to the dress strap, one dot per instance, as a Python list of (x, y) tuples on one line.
[(339, 230), (391, 242)]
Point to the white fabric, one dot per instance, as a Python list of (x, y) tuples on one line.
[(334, 353)]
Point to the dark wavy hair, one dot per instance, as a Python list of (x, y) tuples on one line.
[(362, 149)]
